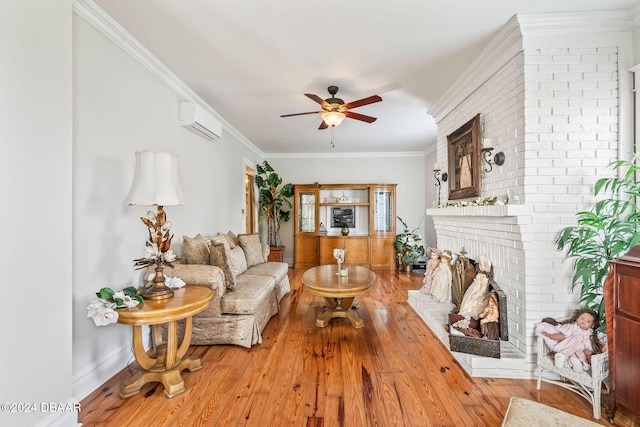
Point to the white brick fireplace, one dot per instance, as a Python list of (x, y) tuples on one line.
[(552, 103)]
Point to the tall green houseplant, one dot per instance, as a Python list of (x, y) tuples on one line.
[(603, 233), (273, 196)]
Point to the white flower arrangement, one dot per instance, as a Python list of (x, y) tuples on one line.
[(171, 282), (102, 309), (487, 201), (157, 246)]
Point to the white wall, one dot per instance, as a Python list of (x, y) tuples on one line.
[(35, 186), (121, 107), (407, 171)]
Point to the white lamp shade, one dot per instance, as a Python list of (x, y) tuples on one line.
[(333, 118), (157, 181)]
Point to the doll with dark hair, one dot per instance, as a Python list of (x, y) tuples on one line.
[(573, 340)]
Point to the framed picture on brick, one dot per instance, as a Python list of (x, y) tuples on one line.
[(463, 153)]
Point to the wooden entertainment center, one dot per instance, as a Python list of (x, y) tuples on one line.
[(367, 211)]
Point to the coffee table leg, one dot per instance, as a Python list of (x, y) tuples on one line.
[(339, 307)]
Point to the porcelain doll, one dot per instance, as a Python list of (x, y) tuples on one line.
[(489, 318), (474, 300), (573, 340), (441, 283), (430, 269)]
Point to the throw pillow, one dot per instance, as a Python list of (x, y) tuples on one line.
[(220, 250), (250, 243), (195, 250), (231, 238), (237, 260)]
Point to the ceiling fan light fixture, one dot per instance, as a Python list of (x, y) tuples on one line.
[(333, 118)]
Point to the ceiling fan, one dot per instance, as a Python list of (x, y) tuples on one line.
[(334, 110)]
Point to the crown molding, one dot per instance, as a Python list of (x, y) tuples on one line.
[(95, 16), (510, 39), (341, 155), (560, 24), (504, 46)]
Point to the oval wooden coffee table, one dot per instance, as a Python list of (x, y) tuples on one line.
[(338, 291)]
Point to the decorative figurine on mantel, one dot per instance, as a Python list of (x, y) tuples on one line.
[(441, 283), (430, 269)]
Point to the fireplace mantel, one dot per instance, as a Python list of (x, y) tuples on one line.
[(495, 210)]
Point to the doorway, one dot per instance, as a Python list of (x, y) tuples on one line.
[(250, 201)]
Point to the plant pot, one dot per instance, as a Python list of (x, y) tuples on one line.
[(408, 268), (275, 254)]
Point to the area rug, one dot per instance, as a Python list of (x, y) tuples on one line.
[(523, 412)]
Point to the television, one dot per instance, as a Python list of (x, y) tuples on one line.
[(343, 217)]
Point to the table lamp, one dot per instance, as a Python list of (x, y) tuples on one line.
[(156, 183)]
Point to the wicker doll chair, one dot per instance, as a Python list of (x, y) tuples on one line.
[(587, 384)]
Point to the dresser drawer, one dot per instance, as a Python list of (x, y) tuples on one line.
[(628, 289)]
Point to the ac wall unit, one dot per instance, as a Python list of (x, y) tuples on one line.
[(199, 121)]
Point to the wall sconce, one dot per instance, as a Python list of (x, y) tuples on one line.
[(439, 177), (487, 149)]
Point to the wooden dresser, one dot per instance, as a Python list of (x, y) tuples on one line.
[(622, 307)]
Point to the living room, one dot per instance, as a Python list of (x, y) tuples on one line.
[(71, 130)]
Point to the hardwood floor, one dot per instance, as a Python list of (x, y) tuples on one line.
[(392, 372)]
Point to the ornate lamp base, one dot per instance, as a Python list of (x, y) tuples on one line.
[(158, 291)]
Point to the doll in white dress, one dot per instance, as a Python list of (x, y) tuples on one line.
[(441, 283), (432, 264), (474, 301)]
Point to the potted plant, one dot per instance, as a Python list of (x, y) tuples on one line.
[(409, 245), (273, 196), (603, 233)]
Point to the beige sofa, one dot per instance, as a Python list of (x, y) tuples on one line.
[(247, 290)]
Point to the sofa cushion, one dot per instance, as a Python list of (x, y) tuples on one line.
[(277, 270), (252, 247), (220, 257), (251, 292), (195, 250)]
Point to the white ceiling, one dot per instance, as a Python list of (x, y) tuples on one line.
[(253, 60)]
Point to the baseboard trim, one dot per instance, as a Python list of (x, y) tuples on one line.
[(62, 417), (99, 372)]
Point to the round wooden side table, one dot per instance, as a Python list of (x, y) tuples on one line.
[(168, 360)]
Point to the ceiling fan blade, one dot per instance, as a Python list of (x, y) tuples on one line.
[(360, 117), (319, 100), (323, 125), (361, 102), (301, 114)]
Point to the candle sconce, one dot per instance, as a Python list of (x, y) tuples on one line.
[(498, 158), (439, 177)]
